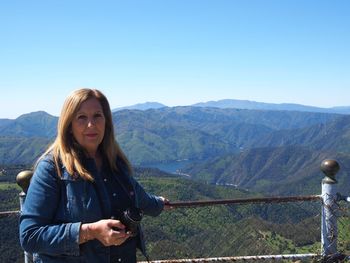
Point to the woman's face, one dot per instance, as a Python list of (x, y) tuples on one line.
[(88, 125)]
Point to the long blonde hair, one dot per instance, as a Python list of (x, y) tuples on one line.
[(66, 151)]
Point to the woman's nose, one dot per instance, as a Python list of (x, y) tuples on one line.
[(91, 122)]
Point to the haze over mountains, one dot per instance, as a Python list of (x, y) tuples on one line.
[(256, 149), (245, 104)]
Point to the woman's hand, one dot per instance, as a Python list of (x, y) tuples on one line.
[(166, 203), (108, 231)]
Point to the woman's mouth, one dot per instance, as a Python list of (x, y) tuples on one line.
[(91, 135)]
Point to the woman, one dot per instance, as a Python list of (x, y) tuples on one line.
[(80, 190)]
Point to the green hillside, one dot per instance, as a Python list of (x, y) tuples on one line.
[(332, 135), (21, 150), (205, 231), (9, 242), (227, 230), (35, 124), (286, 170)]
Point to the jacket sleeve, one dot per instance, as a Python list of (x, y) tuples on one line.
[(151, 205), (39, 233)]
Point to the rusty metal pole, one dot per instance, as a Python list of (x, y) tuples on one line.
[(329, 217), (23, 180)]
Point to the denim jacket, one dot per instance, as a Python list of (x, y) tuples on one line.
[(55, 208)]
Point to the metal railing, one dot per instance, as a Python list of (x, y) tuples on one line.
[(330, 214)]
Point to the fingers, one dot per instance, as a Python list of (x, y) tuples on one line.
[(164, 199), (111, 232), (119, 237), (115, 224), (166, 202)]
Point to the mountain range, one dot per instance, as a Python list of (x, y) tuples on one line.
[(245, 104), (253, 105), (258, 150), (141, 106)]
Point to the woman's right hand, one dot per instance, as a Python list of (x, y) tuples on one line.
[(109, 232)]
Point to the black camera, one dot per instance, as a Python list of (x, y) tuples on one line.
[(131, 219)]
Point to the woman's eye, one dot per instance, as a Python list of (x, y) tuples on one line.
[(81, 117), (98, 115)]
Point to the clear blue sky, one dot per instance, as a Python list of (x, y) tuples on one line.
[(176, 52)]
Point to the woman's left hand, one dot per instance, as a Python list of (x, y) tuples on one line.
[(166, 203), (108, 231)]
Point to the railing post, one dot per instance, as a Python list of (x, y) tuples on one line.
[(329, 208), (23, 180)]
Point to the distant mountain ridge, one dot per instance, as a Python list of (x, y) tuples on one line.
[(245, 104), (253, 105), (141, 106), (227, 104)]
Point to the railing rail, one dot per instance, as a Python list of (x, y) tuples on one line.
[(242, 258), (277, 199), (9, 213)]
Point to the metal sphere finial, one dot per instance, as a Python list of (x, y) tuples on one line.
[(330, 168), (23, 179)]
